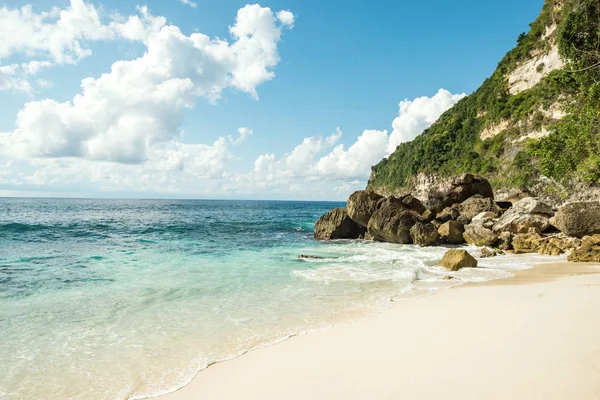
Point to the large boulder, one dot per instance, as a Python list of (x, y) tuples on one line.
[(336, 224), (460, 188), (589, 250), (361, 205), (391, 222), (412, 203), (478, 235), (527, 242), (451, 232), (447, 214), (424, 234), (478, 204), (454, 260), (578, 219), (524, 215)]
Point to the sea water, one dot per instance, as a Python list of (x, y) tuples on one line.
[(129, 299)]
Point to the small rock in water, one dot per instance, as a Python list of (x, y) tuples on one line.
[(486, 253), (309, 257), (454, 260)]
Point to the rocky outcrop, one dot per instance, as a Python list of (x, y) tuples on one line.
[(361, 205), (454, 260), (578, 219), (527, 242), (589, 250), (424, 234), (392, 221), (524, 215), (336, 224), (478, 235), (478, 204), (460, 188), (451, 232)]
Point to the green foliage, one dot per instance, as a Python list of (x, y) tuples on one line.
[(571, 152)]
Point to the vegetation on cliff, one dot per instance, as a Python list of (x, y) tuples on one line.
[(569, 154)]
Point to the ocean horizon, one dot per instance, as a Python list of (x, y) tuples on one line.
[(130, 299)]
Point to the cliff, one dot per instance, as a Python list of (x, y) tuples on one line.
[(533, 126)]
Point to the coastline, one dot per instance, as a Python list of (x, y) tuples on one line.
[(503, 338)]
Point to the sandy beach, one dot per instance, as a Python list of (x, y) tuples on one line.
[(533, 336)]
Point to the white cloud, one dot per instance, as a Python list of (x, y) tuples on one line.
[(243, 133), (124, 114), (417, 115), (59, 36), (356, 162), (188, 3), (286, 17)]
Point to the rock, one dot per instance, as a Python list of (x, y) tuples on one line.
[(464, 220), (448, 214), (549, 249), (454, 260), (361, 205), (424, 234), (336, 224), (478, 235), (525, 214), (451, 232), (309, 257), (565, 243), (412, 203), (527, 242), (391, 222), (486, 215), (475, 205), (504, 205), (460, 189), (486, 253), (588, 252), (448, 278), (368, 236), (578, 219), (428, 215), (504, 241)]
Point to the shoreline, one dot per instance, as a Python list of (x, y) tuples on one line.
[(259, 363)]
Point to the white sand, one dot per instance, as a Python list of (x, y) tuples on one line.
[(502, 340)]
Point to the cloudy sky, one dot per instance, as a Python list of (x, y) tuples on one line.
[(287, 99)]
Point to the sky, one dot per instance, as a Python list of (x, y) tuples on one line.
[(223, 99)]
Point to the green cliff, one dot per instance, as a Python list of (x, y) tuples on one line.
[(534, 125)]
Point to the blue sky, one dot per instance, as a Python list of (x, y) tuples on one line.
[(325, 74)]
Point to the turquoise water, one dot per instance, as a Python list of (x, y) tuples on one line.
[(118, 299)]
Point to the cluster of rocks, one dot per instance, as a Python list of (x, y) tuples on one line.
[(466, 212)]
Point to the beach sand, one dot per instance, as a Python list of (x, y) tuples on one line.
[(533, 336)]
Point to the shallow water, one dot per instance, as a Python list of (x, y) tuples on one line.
[(116, 299)]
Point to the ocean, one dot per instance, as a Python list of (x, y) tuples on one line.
[(130, 299)]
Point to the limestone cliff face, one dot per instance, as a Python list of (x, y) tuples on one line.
[(533, 126)]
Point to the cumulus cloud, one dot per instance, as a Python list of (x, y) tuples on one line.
[(60, 36), (188, 3), (417, 115), (122, 115), (286, 17), (243, 133)]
